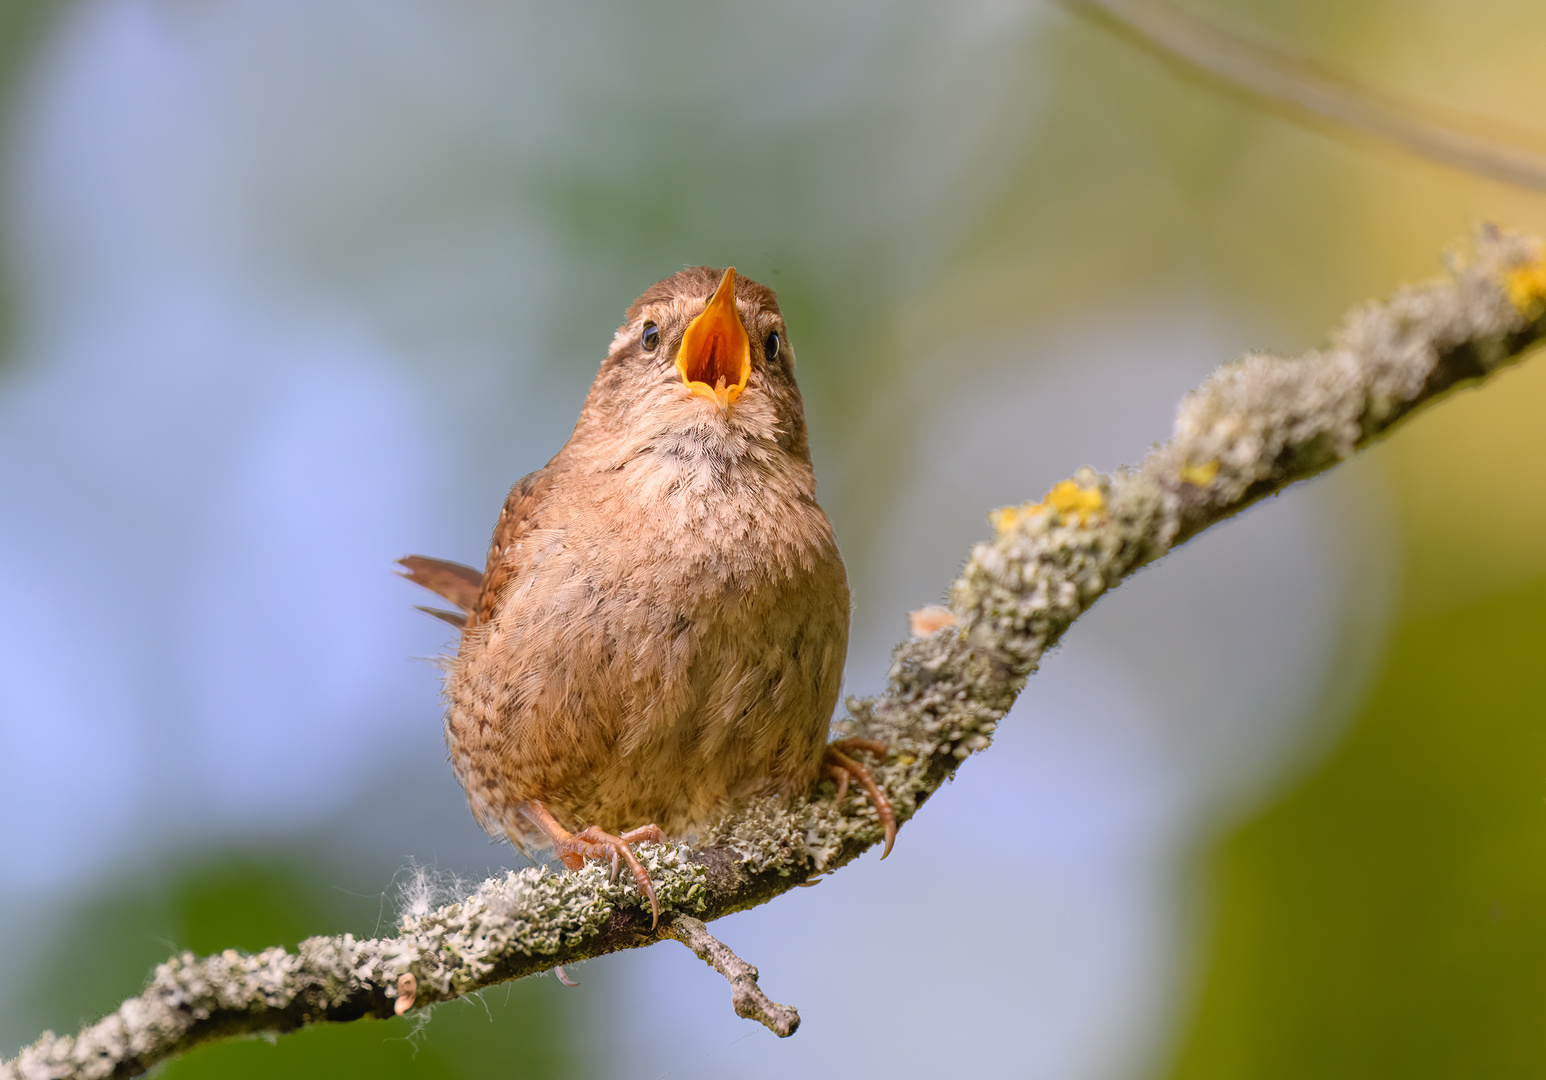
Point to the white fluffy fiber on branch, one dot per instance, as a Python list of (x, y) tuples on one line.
[(1256, 426)]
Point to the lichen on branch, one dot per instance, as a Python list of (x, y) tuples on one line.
[(1256, 426)]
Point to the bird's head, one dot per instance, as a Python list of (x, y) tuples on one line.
[(702, 352)]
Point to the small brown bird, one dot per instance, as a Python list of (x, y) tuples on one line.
[(661, 624)]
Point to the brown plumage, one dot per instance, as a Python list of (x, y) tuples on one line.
[(661, 624)]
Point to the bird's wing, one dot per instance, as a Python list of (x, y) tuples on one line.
[(452, 581), (517, 518)]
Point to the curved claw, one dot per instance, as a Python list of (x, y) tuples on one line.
[(594, 843), (839, 765), (558, 969), (621, 846)]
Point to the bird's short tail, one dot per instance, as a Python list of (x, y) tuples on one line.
[(452, 581)]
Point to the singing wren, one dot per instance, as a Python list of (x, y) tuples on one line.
[(660, 627)]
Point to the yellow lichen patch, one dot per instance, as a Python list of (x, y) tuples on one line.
[(1069, 499), (1526, 287), (1066, 498), (1006, 517), (1200, 475)]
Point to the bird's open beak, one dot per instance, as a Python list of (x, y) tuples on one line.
[(715, 357)]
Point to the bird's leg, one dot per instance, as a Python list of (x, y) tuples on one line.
[(838, 765), (593, 843)]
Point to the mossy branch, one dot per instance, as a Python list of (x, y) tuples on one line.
[(1256, 426)]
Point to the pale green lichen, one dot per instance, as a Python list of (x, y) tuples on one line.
[(764, 834), (533, 912), (1268, 421)]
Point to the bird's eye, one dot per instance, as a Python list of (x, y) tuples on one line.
[(651, 337), (770, 347)]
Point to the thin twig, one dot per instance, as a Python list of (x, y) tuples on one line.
[(745, 995), (1255, 427), (1304, 88)]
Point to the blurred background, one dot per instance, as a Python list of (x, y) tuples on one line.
[(291, 289)]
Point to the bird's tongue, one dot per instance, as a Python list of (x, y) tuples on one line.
[(715, 355)]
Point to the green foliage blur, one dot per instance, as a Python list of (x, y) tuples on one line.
[(1387, 917)]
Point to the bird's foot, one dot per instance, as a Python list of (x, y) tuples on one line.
[(573, 849), (842, 768)]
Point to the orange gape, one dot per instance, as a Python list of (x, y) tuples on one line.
[(715, 355)]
